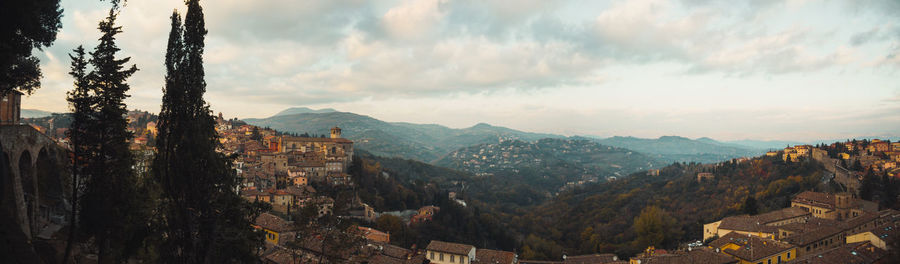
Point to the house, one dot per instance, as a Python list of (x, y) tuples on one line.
[(813, 236), (490, 256), (753, 249), (833, 206), (761, 225), (424, 214), (694, 256), (374, 235), (278, 231), (860, 252), (771, 153), (441, 252), (880, 237), (590, 259), (705, 176), (10, 108)]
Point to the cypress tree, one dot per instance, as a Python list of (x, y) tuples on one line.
[(110, 209), (81, 100), (205, 220)]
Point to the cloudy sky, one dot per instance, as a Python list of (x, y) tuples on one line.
[(790, 70)]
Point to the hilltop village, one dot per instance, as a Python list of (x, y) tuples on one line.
[(280, 170)]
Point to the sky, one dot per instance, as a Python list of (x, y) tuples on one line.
[(729, 70)]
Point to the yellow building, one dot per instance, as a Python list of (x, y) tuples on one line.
[(754, 250), (278, 231), (761, 225), (878, 236), (441, 252)]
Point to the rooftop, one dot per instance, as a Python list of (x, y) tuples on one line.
[(750, 248), (454, 248)]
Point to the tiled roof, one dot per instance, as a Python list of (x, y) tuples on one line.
[(863, 252), (454, 248), (274, 223), (488, 256), (746, 223), (751, 248), (696, 256), (779, 215), (824, 200), (589, 259)]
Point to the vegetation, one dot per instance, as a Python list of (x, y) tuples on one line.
[(625, 216), (203, 220), (24, 26)]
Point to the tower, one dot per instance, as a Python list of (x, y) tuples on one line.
[(11, 108), (335, 132), (842, 204)]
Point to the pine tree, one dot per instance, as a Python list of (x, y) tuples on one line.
[(111, 212), (82, 102), (205, 220)]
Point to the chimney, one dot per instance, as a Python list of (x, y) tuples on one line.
[(10, 108)]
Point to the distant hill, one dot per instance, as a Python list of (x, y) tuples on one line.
[(304, 110), (681, 149), (548, 164), (34, 113), (423, 142), (766, 144)]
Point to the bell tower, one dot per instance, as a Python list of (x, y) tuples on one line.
[(842, 205), (335, 132), (10, 108)]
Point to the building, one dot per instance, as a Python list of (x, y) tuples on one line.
[(10, 108), (761, 225), (449, 253), (880, 237), (590, 259), (814, 236), (278, 231), (705, 176), (850, 253), (425, 213), (490, 256), (833, 206), (694, 256), (753, 249), (373, 235)]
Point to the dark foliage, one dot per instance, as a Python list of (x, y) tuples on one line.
[(25, 25)]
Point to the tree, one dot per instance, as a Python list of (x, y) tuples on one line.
[(81, 102), (25, 25), (204, 219), (655, 227), (750, 206), (111, 212)]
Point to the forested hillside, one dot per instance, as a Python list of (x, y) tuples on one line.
[(604, 217)]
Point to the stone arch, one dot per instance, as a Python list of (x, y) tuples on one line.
[(49, 177), (7, 191), (29, 186)]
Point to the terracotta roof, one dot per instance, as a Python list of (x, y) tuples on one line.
[(779, 215), (274, 223), (589, 259), (813, 230), (746, 223), (488, 256), (824, 200), (696, 256), (751, 248), (454, 248), (854, 253), (312, 139)]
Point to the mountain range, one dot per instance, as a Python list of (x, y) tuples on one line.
[(431, 142)]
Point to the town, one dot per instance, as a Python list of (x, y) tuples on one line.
[(280, 170)]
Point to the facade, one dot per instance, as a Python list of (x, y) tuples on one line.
[(278, 231), (754, 250), (441, 252), (10, 108), (833, 206), (761, 225)]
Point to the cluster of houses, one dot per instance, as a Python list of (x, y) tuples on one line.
[(844, 228), (879, 156)]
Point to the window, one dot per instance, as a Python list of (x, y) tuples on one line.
[(442, 256), (779, 259), (432, 254), (461, 260), (451, 258), (789, 255), (769, 261)]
